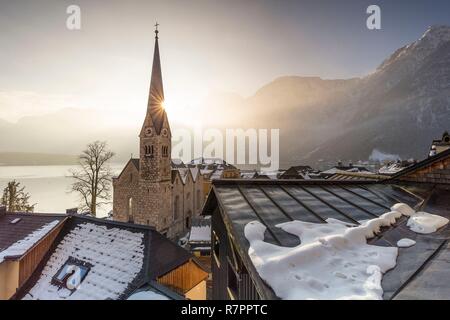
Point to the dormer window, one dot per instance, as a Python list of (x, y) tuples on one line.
[(149, 151)]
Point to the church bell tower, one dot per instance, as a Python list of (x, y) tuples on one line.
[(155, 136), (155, 154)]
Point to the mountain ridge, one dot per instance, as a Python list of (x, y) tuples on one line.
[(398, 109)]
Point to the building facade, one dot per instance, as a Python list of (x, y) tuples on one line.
[(152, 190)]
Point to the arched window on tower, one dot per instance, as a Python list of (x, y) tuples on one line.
[(149, 151), (130, 210), (165, 151), (176, 208), (188, 219)]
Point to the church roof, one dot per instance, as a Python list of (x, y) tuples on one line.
[(155, 107)]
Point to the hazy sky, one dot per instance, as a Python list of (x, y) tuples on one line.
[(206, 46)]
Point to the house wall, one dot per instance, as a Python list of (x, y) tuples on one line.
[(198, 292), (14, 273), (438, 172), (9, 279), (219, 266), (29, 262), (186, 278)]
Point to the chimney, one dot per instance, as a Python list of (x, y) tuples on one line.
[(72, 211), (2, 211)]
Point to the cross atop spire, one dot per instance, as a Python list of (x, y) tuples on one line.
[(156, 29)]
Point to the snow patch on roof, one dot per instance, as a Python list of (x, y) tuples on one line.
[(116, 256), (147, 295), (423, 222), (20, 247), (405, 243), (200, 234), (333, 260)]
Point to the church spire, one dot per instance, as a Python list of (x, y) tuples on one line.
[(155, 108)]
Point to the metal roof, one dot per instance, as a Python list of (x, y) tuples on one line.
[(277, 201)]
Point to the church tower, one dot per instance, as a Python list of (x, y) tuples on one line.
[(148, 191), (155, 154), (155, 136)]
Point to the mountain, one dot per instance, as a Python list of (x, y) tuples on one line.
[(401, 107), (35, 159), (396, 110)]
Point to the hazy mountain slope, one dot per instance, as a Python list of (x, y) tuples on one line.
[(398, 109)]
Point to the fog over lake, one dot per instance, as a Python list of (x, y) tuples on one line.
[(49, 186)]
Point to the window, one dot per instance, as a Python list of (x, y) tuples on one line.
[(71, 274), (176, 208), (149, 151), (165, 151), (130, 210), (188, 222), (233, 282)]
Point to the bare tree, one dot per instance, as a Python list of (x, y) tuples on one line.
[(15, 199), (93, 180)]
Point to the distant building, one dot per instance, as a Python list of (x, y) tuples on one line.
[(392, 168), (40, 253), (300, 172), (420, 269), (154, 189), (213, 169), (440, 145), (340, 167)]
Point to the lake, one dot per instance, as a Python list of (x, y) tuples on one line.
[(49, 186)]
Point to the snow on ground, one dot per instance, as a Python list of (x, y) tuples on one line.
[(333, 260), (405, 243), (423, 222), (116, 256), (20, 247), (147, 295)]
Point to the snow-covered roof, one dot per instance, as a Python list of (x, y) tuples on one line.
[(19, 248), (200, 230), (19, 232), (147, 295), (116, 256), (200, 234), (112, 260)]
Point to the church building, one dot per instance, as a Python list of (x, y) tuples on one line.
[(152, 190)]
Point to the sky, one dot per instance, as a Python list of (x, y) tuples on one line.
[(206, 46)]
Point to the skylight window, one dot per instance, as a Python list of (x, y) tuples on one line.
[(16, 220), (72, 274)]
